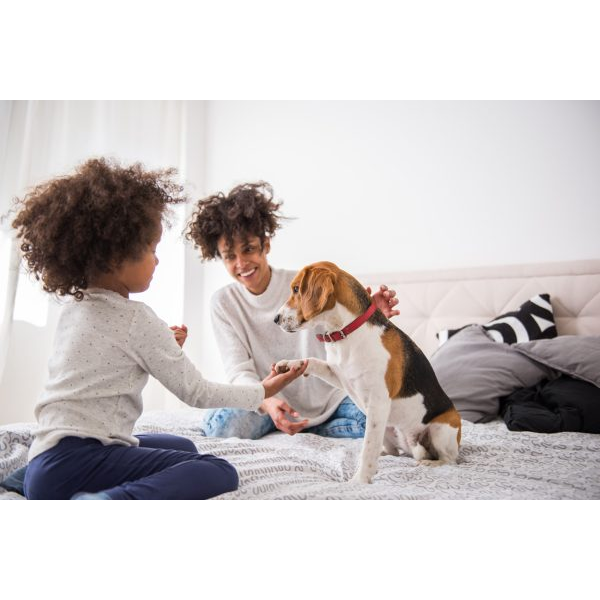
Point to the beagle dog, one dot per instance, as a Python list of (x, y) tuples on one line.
[(377, 364)]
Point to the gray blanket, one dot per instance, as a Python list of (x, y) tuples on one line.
[(494, 463)]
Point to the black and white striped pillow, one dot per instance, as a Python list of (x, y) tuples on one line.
[(534, 320)]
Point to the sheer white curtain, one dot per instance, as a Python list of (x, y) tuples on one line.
[(42, 139), (14, 164)]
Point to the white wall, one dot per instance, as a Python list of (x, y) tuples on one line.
[(374, 186), (385, 186)]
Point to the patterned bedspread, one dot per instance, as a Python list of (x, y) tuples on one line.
[(494, 463)]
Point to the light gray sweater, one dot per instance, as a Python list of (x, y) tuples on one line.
[(104, 349), (249, 342)]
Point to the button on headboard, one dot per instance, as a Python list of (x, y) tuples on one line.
[(434, 300)]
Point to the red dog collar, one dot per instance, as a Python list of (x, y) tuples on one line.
[(336, 336)]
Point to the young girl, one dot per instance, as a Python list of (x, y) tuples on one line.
[(92, 235)]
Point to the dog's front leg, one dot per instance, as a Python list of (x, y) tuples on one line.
[(378, 411), (316, 366)]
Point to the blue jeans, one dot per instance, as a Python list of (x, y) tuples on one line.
[(346, 422), (162, 467)]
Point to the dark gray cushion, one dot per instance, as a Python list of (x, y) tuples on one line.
[(574, 355), (475, 372)]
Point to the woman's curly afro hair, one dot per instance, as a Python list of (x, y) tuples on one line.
[(86, 223), (247, 210)]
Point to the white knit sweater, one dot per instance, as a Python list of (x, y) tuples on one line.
[(249, 342), (104, 349)]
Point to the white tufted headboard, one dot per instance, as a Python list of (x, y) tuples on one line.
[(434, 300)]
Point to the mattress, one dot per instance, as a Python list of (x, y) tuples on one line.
[(494, 463)]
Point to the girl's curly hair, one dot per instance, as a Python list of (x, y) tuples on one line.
[(86, 223), (247, 210)]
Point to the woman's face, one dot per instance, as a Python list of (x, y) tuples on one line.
[(246, 261)]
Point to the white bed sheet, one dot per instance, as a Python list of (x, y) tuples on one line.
[(495, 463)]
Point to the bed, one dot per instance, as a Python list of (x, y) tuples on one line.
[(495, 462)]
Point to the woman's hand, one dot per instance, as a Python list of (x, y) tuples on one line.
[(180, 334), (277, 408), (385, 301)]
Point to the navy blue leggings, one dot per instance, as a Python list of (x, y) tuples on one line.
[(162, 467)]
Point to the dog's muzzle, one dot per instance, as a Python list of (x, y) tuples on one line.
[(286, 319)]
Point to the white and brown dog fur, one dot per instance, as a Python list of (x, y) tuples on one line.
[(378, 365)]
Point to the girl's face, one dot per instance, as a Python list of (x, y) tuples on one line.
[(246, 262), (134, 275)]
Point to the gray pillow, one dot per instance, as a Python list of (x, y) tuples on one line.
[(575, 355), (475, 372)]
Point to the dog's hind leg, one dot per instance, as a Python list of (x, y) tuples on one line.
[(391, 442), (407, 414), (443, 434), (444, 440), (420, 446), (394, 442), (441, 441)]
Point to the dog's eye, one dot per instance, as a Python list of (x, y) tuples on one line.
[(295, 289)]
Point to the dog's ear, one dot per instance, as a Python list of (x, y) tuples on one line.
[(318, 294)]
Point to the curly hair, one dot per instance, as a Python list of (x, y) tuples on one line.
[(247, 210), (74, 227)]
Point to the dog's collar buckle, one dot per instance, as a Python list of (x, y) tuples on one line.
[(336, 336)]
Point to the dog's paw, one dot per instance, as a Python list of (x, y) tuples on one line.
[(283, 366), (359, 478)]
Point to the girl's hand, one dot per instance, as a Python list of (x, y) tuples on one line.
[(274, 382), (385, 301), (276, 408), (180, 334)]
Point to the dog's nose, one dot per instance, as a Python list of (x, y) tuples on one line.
[(277, 319)]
